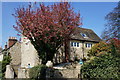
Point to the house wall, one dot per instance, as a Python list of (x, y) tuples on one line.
[(59, 57), (81, 51), (15, 53), (75, 52), (29, 54), (87, 49)]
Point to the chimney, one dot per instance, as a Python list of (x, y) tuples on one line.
[(6, 45), (12, 41)]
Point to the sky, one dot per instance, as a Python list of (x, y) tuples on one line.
[(92, 13)]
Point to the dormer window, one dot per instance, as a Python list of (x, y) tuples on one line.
[(84, 35)]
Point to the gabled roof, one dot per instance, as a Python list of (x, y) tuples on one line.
[(9, 47), (90, 35)]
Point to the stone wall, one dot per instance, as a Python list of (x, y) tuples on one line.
[(9, 72), (15, 53), (29, 56), (81, 51), (64, 72), (23, 73), (75, 52), (87, 49), (59, 57)]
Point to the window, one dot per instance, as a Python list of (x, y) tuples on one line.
[(71, 43), (75, 44), (84, 35), (88, 45)]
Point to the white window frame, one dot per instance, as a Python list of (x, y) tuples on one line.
[(88, 45), (75, 44)]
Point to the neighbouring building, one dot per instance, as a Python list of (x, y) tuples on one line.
[(24, 55), (1, 55)]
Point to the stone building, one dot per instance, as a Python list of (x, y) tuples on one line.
[(24, 55), (81, 42)]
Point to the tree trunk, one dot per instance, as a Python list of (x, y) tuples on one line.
[(67, 50), (49, 56)]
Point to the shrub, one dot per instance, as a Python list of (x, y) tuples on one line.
[(6, 61), (38, 72), (104, 66), (101, 47)]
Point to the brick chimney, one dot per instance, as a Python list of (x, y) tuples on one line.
[(12, 41)]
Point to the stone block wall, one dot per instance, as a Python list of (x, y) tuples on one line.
[(75, 52), (15, 53), (29, 56), (64, 73), (9, 72), (23, 73)]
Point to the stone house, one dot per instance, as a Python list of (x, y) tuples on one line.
[(24, 55), (81, 42)]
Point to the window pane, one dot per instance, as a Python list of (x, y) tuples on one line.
[(77, 44), (71, 43), (84, 35), (86, 44)]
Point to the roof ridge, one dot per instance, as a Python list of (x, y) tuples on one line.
[(84, 28)]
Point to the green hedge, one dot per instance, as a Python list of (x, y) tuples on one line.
[(104, 66), (37, 72)]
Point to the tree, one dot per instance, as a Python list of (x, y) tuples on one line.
[(115, 46), (47, 27), (112, 29)]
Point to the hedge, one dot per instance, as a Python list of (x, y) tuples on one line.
[(104, 66)]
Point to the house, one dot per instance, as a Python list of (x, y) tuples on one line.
[(24, 55), (80, 43)]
